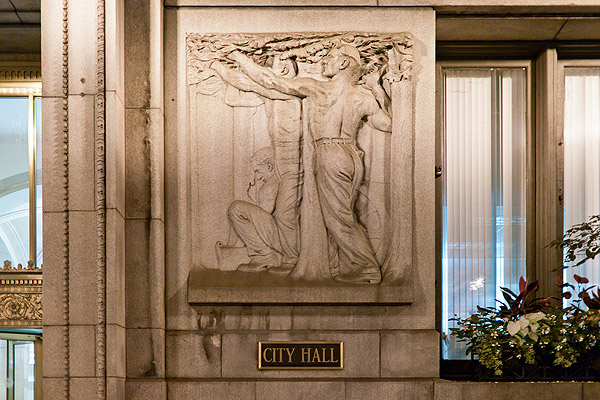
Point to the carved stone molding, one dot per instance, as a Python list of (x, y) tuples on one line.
[(65, 196), (100, 189), (17, 72), (21, 298), (375, 50), (8, 267), (21, 309)]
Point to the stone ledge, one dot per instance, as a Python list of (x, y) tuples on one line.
[(513, 7), (218, 287), (381, 389), (270, 3), (515, 390)]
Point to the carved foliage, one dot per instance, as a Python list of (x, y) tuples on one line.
[(391, 51), (20, 307)]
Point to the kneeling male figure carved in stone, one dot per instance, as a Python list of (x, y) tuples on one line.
[(336, 108), (272, 241)]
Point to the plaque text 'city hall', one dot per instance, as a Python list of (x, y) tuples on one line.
[(300, 355)]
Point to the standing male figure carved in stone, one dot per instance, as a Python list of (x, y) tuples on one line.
[(336, 108), (272, 240)]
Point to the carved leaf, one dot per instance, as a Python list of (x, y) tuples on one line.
[(377, 50), (21, 306)]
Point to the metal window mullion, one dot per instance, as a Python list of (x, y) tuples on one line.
[(496, 168), (10, 369), (32, 183), (38, 369)]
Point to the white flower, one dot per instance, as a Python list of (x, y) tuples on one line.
[(513, 327), (534, 336), (526, 326), (534, 327), (524, 322), (535, 317)]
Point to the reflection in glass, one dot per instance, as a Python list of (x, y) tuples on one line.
[(484, 190), (14, 180), (38, 179), (582, 163), (24, 379), (3, 368)]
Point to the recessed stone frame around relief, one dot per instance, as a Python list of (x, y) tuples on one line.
[(312, 183)]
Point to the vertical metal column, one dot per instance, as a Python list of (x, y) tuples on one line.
[(32, 182)]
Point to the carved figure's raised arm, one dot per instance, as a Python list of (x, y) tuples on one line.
[(244, 83), (299, 87)]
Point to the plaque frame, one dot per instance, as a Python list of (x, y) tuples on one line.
[(262, 368)]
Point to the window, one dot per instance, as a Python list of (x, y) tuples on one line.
[(511, 181), (581, 152), (21, 230), (19, 373), (484, 187), (20, 174)]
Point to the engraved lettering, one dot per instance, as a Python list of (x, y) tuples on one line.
[(325, 360), (305, 351), (316, 356), (290, 352), (332, 360), (283, 355), (265, 355)]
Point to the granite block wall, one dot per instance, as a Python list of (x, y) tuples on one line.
[(117, 206)]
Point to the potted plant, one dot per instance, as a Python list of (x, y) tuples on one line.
[(537, 338)]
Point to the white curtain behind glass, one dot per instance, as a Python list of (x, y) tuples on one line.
[(582, 155), (484, 190)]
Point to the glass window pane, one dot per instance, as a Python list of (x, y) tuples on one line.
[(14, 226), (14, 180), (484, 189), (38, 164), (582, 161), (24, 371), (3, 368)]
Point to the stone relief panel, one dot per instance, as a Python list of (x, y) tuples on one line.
[(294, 167)]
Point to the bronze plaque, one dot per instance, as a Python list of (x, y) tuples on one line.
[(300, 355)]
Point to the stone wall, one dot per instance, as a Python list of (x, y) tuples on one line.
[(220, 341), (84, 199), (118, 322)]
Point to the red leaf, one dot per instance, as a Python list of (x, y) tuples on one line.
[(532, 287), (581, 279), (558, 281), (522, 284), (592, 303)]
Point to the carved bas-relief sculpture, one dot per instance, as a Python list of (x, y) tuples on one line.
[(272, 240), (319, 112)]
